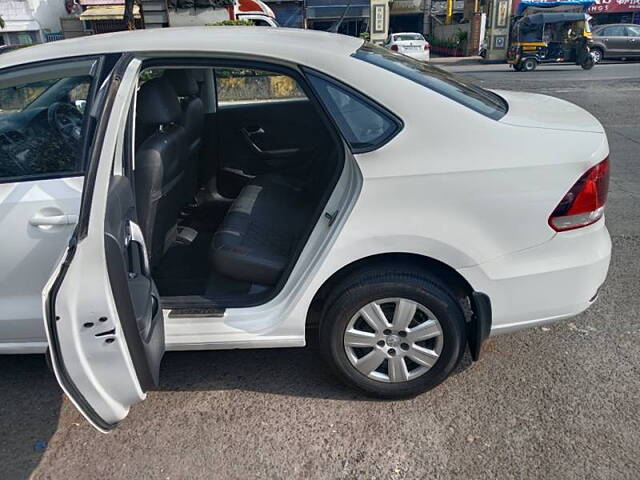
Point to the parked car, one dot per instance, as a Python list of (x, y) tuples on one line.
[(222, 212), (411, 44), (616, 41)]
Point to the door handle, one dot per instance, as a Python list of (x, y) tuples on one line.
[(40, 220), (135, 235)]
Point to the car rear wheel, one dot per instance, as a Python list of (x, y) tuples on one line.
[(394, 334), (529, 64)]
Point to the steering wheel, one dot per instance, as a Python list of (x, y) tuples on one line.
[(65, 119)]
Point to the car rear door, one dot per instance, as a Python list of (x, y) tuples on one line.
[(102, 313), (633, 40)]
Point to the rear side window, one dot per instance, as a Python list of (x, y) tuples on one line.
[(436, 79), (404, 37), (249, 85), (617, 31), (364, 125)]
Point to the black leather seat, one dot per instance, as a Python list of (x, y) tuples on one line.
[(192, 120), (159, 165), (256, 239)]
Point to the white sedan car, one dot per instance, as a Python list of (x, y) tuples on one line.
[(411, 44), (235, 188)]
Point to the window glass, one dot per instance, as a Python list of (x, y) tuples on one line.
[(42, 120), (633, 31), (364, 125), (436, 79), (407, 36), (248, 85), (614, 32)]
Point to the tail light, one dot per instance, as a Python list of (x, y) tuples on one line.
[(584, 203), (394, 48), (427, 46)]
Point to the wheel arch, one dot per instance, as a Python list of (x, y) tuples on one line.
[(475, 305)]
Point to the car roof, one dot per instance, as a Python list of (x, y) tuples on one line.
[(598, 27), (289, 44), (406, 33)]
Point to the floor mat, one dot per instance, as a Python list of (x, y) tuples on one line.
[(184, 269)]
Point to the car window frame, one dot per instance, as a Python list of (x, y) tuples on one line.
[(96, 73), (396, 120)]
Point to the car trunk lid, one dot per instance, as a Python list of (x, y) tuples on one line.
[(542, 111)]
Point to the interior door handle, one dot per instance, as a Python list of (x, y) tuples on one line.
[(135, 235), (40, 220), (251, 131)]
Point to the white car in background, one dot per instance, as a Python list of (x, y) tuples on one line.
[(379, 199), (410, 44)]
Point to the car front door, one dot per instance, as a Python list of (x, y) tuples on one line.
[(102, 311), (43, 127), (615, 39)]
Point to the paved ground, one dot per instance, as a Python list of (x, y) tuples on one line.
[(558, 403)]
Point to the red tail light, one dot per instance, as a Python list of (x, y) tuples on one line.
[(394, 48), (584, 203), (426, 46)]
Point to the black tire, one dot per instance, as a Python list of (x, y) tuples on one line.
[(392, 282), (588, 63), (598, 54), (529, 64)]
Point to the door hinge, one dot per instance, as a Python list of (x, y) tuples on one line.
[(331, 217)]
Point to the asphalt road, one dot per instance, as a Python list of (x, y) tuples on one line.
[(560, 402)]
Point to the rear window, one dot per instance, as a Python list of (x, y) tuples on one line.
[(482, 101), (403, 37)]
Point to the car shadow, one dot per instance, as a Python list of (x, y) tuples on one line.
[(286, 371), (31, 401), (29, 412)]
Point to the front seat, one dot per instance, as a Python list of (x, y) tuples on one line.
[(192, 120), (159, 166)]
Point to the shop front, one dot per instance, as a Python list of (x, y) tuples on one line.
[(615, 11)]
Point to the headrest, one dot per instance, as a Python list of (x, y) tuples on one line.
[(158, 103), (182, 81)]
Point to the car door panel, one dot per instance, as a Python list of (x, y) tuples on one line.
[(633, 40), (33, 243), (41, 179), (102, 313), (264, 137)]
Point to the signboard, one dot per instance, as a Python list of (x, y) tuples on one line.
[(379, 15), (614, 6), (407, 6)]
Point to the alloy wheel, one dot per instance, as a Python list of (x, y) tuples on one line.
[(393, 340)]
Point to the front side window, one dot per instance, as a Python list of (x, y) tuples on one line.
[(249, 85), (436, 79), (364, 125), (42, 112), (617, 31)]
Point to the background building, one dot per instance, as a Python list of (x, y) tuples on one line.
[(30, 21)]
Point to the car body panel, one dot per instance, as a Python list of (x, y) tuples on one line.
[(625, 42), (30, 252), (425, 192)]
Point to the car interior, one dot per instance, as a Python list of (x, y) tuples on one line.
[(233, 167)]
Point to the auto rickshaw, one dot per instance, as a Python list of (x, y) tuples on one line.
[(553, 37)]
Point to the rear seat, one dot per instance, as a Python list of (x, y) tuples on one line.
[(255, 240)]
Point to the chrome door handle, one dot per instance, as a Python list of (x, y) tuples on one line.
[(39, 220), (135, 235)]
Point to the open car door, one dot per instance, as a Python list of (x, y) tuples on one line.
[(101, 308)]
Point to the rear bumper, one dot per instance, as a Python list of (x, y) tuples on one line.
[(422, 56), (550, 282)]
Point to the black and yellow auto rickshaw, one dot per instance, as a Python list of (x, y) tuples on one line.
[(553, 37)]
